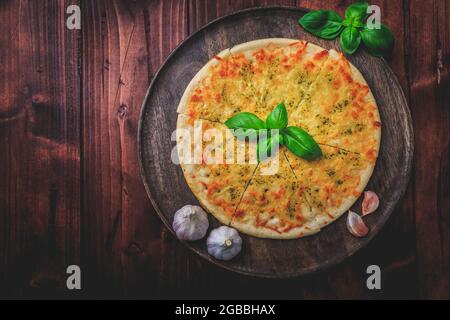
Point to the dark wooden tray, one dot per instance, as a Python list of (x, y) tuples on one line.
[(166, 185)]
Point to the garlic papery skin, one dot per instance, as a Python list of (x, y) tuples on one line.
[(356, 225), (370, 203), (190, 223), (224, 243)]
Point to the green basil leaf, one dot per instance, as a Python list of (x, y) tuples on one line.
[(246, 121), (300, 143), (353, 23), (278, 118), (357, 12), (358, 24), (246, 134), (325, 24), (378, 42), (266, 145), (350, 40), (245, 125), (347, 23)]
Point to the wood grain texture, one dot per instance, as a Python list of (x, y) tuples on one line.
[(430, 83), (399, 235), (40, 148), (145, 260), (261, 257), (120, 37)]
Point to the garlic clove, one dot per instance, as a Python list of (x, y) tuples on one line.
[(190, 223), (370, 203), (356, 225), (224, 243)]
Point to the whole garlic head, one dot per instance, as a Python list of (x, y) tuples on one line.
[(190, 223), (224, 243)]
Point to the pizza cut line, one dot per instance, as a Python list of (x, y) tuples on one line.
[(324, 94)]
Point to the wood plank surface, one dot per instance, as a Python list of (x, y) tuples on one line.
[(429, 46), (122, 234), (267, 257), (71, 187), (40, 147)]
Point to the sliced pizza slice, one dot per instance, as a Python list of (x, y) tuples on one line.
[(216, 165), (330, 184), (295, 73), (253, 77), (281, 70), (268, 207), (340, 110), (217, 92)]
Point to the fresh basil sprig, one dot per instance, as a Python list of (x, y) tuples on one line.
[(327, 24), (356, 12), (245, 120), (300, 143), (265, 146), (245, 124), (278, 118), (350, 40), (297, 140), (378, 42)]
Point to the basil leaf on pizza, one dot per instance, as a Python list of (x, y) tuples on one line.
[(300, 143), (297, 140), (267, 147), (245, 124), (287, 196), (245, 120), (278, 118)]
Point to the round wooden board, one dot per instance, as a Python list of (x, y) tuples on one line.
[(167, 187)]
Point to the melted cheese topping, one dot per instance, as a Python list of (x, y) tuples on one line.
[(327, 181), (256, 82), (322, 96), (268, 200), (338, 110), (219, 185)]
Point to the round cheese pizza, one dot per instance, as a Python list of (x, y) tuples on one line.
[(324, 94)]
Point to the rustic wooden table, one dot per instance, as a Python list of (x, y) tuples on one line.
[(71, 191)]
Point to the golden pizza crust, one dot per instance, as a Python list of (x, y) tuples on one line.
[(199, 175), (249, 225), (321, 221), (183, 105), (294, 233), (314, 220)]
